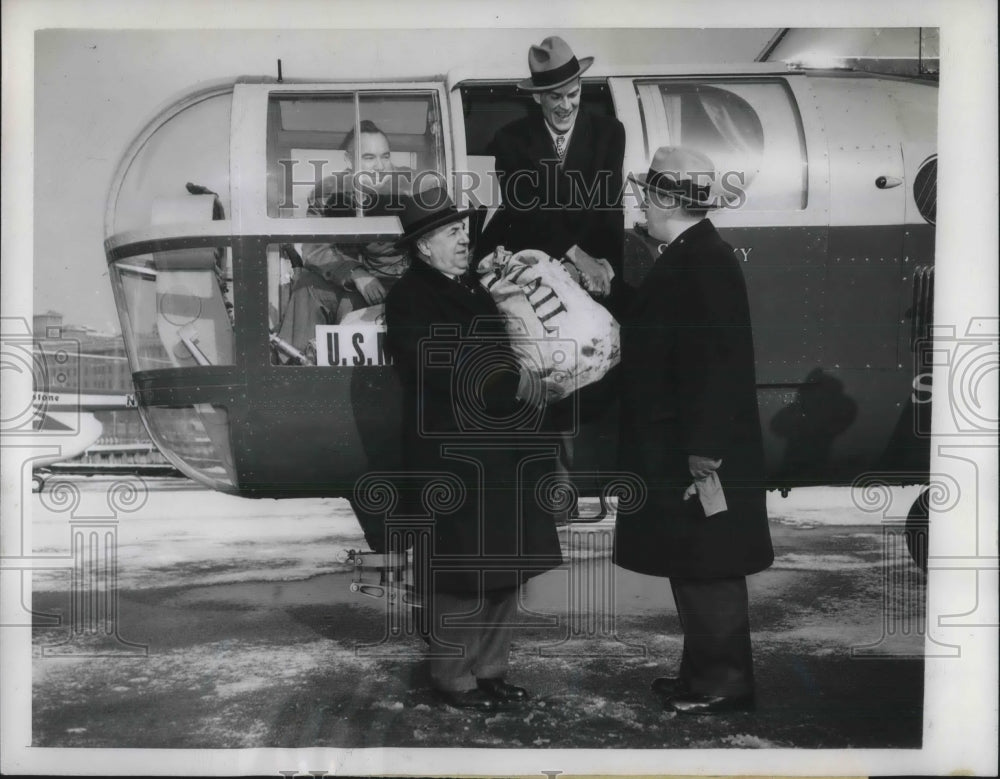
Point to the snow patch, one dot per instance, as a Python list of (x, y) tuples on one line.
[(823, 562), (746, 741)]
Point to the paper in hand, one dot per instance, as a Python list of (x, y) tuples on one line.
[(709, 491)]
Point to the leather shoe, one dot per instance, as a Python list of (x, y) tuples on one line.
[(668, 686), (467, 699), (501, 691), (694, 703)]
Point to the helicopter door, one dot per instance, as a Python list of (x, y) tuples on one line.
[(864, 302), (335, 163), (319, 171)]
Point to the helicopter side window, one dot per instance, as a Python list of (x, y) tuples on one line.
[(352, 154), (175, 307), (749, 129), (319, 167)]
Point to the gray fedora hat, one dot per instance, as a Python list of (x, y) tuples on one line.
[(684, 174), (552, 64)]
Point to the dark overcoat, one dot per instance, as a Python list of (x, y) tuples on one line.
[(689, 388), (461, 421), (551, 206)]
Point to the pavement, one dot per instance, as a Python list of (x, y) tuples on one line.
[(243, 632)]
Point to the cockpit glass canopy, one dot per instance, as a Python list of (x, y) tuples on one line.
[(187, 154)]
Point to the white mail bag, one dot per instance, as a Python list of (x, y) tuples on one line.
[(557, 329)]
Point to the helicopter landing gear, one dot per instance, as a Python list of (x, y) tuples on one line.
[(391, 569)]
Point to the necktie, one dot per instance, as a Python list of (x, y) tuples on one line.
[(561, 146)]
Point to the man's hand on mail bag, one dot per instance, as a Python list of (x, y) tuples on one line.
[(595, 273), (537, 389)]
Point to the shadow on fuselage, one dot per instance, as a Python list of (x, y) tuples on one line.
[(819, 413)]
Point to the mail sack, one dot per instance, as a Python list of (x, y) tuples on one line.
[(558, 331)]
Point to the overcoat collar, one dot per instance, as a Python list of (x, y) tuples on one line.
[(695, 233), (672, 257), (465, 291)]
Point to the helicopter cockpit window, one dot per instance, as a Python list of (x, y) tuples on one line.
[(352, 154), (170, 168), (177, 307), (749, 129), (349, 154)]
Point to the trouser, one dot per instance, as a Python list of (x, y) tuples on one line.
[(470, 638), (312, 301), (714, 615)]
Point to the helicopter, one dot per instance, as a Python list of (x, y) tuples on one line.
[(204, 242)]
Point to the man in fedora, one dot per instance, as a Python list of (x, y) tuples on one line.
[(560, 174), (690, 427), (464, 424)]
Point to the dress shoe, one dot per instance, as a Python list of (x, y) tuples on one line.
[(501, 691), (668, 686), (694, 703), (467, 699)]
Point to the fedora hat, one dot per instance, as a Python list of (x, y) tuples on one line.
[(552, 64), (427, 210), (685, 174)]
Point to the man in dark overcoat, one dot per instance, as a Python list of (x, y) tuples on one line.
[(474, 445), (560, 174), (690, 429)]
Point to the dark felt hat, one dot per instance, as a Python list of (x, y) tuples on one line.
[(426, 211), (552, 64)]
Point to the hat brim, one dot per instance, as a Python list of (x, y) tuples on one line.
[(678, 196), (528, 85), (432, 224)]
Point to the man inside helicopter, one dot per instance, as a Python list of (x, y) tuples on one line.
[(337, 278), (363, 273)]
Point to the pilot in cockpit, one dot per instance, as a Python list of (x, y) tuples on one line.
[(361, 273)]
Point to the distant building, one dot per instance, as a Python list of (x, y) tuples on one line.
[(80, 360)]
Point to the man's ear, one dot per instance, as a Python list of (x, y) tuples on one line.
[(537, 97), (421, 246)]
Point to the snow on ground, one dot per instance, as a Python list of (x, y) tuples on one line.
[(175, 529), (811, 506), (208, 536)]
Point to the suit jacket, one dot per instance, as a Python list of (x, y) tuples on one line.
[(552, 206), (461, 419), (689, 388)]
